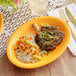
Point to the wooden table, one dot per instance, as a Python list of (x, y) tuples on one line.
[(65, 65)]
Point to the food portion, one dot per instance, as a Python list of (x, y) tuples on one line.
[(27, 51), (49, 37), (30, 49)]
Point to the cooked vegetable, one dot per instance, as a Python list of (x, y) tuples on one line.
[(49, 37), (47, 25), (27, 51)]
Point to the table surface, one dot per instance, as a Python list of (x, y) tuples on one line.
[(65, 65)]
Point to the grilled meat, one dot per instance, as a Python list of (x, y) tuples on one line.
[(48, 28), (49, 37)]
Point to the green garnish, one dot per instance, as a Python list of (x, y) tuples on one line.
[(46, 36), (43, 34), (51, 33), (47, 25)]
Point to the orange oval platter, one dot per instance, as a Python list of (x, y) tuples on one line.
[(26, 28)]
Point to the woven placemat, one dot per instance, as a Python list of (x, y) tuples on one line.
[(13, 20)]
